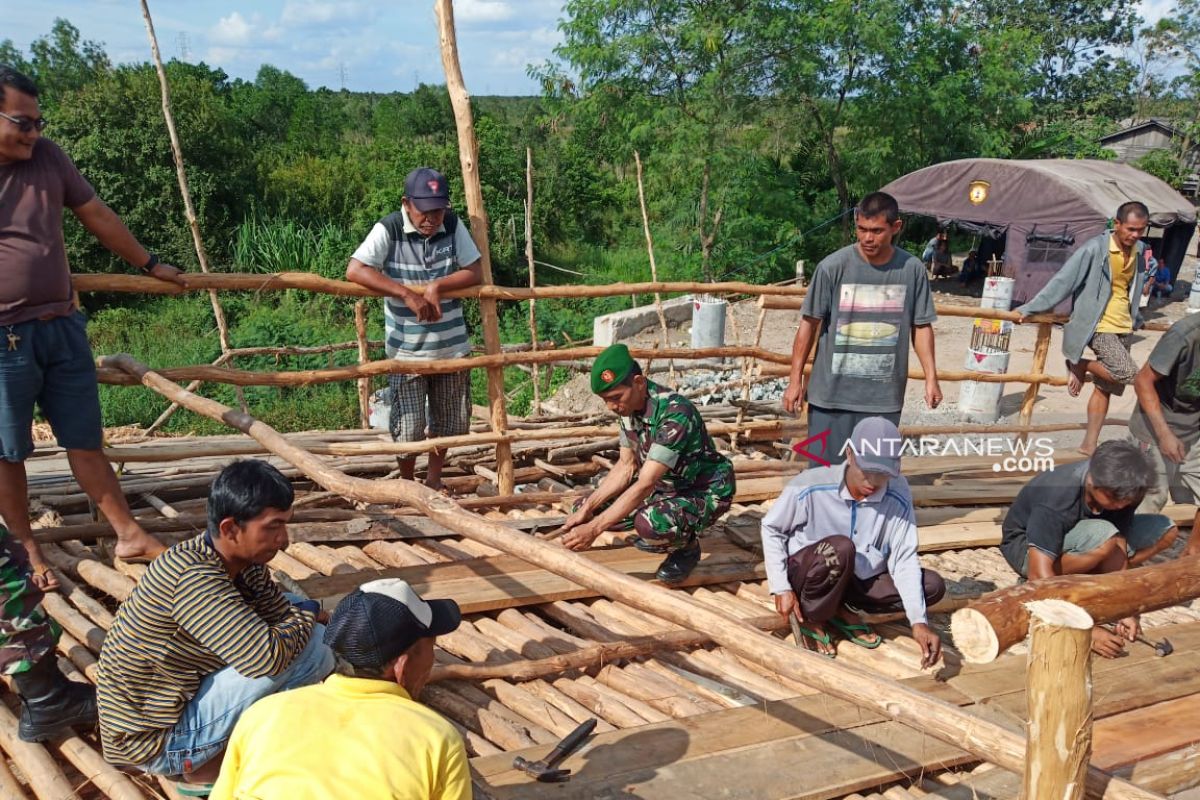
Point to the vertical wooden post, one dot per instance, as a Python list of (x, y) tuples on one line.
[(1040, 350), (662, 317), (468, 155), (181, 174), (1059, 695), (536, 408), (364, 355)]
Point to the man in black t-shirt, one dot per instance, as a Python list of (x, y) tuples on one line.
[(1167, 419), (1080, 519)]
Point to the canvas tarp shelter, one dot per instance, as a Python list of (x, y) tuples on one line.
[(1047, 207)]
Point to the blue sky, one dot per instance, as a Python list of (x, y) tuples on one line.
[(376, 46)]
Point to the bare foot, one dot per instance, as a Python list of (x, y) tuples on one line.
[(823, 644), (1074, 380), (139, 546)]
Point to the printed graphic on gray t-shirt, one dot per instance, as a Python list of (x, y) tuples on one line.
[(867, 315)]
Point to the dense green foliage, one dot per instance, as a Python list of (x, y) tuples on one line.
[(759, 123)]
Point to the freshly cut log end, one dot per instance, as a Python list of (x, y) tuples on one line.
[(974, 636), (1059, 613)]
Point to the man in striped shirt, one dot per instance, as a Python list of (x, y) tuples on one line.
[(205, 633), (411, 257)]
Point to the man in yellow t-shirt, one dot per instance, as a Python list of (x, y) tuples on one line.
[(1104, 278), (361, 733)]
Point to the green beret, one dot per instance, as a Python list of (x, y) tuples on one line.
[(612, 366)]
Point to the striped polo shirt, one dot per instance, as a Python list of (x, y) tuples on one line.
[(186, 619), (397, 249)]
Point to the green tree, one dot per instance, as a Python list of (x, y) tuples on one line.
[(62, 62)]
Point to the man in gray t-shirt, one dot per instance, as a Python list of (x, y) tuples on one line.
[(866, 302)]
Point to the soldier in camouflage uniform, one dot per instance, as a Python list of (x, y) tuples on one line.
[(50, 702), (670, 482)]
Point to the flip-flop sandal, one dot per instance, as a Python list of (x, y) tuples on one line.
[(193, 789), (819, 638), (851, 630)]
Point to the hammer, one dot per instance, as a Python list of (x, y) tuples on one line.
[(545, 770), (1163, 648)]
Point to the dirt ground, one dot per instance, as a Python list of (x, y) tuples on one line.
[(953, 336)]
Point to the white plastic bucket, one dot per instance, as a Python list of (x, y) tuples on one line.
[(978, 401), (708, 321), (1193, 305), (997, 293)]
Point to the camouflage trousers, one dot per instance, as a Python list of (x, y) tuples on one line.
[(669, 522), (27, 634)]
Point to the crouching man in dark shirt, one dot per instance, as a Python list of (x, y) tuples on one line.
[(1080, 519)]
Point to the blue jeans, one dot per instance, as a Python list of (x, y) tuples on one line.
[(207, 722), (49, 364)]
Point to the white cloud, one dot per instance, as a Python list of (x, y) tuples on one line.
[(233, 30), (471, 11), (1154, 10), (315, 13)]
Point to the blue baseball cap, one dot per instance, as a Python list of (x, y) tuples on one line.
[(427, 189)]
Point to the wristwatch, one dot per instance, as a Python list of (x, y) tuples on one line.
[(150, 264)]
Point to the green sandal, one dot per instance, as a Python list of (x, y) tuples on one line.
[(819, 638), (188, 789), (851, 630)]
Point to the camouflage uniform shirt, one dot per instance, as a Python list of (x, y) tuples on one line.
[(671, 431)]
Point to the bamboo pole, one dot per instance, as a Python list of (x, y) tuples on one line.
[(989, 626), (533, 335), (181, 174), (468, 156), (1040, 350), (364, 356), (938, 718), (1059, 697), (658, 306)]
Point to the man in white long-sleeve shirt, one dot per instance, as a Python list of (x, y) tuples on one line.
[(847, 534)]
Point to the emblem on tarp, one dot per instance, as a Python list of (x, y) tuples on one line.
[(978, 192)]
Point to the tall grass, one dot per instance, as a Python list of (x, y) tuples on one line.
[(276, 244)]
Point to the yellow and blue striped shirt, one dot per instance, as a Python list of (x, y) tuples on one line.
[(187, 619)]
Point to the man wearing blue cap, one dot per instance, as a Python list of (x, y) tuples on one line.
[(412, 257), (847, 535)]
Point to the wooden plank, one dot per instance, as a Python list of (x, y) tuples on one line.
[(487, 584), (1147, 732), (702, 756)]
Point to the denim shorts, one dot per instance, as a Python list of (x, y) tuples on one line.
[(48, 362)]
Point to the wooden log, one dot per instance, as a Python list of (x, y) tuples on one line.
[(1059, 697), (492, 361), (312, 282), (592, 656), (45, 777), (1040, 350), (104, 776), (935, 717), (364, 355), (10, 787), (997, 621), (577, 711), (487, 724), (601, 703), (468, 156)]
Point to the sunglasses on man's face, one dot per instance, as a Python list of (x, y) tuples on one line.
[(26, 124)]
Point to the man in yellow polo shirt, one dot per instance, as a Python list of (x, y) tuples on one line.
[(1104, 277), (361, 733)]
